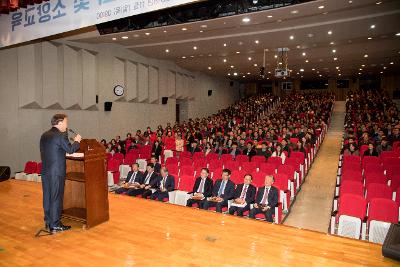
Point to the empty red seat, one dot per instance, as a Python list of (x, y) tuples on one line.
[(172, 168), (217, 174), (375, 190), (275, 161), (113, 167), (351, 158), (231, 165), (186, 170), (186, 183), (211, 157), (185, 154), (352, 175), (351, 187), (258, 178), (267, 168), (226, 157), (258, 158), (367, 160), (352, 205), (200, 163), (216, 164), (249, 166), (119, 157), (384, 210), (237, 176), (242, 158), (185, 162), (379, 178), (171, 160)]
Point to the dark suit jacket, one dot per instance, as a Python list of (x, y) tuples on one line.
[(207, 186), (193, 150), (156, 150), (228, 192), (237, 151), (53, 146), (272, 196), (138, 179), (153, 182), (252, 152), (169, 183), (250, 195), (157, 167)]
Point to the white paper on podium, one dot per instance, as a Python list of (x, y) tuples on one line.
[(75, 155)]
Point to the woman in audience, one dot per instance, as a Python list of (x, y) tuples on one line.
[(179, 144), (351, 150), (279, 153), (371, 151)]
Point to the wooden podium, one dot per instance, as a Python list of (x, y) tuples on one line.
[(86, 189)]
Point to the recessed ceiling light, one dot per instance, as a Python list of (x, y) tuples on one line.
[(167, 50), (310, 35), (369, 38), (244, 76), (381, 71), (136, 35), (365, 55), (237, 52), (337, 67), (209, 68), (329, 32), (361, 69), (183, 57), (147, 33), (294, 11), (362, 65), (339, 74), (165, 31), (384, 68), (321, 7), (332, 43), (229, 74), (246, 19), (224, 59), (248, 73), (291, 37), (276, 56), (232, 67), (269, 72), (201, 31), (303, 54), (378, 3), (124, 37), (398, 34), (256, 41), (184, 29), (224, 44), (269, 16), (195, 47), (359, 73), (333, 50), (350, 2), (391, 63), (306, 60), (255, 65), (372, 26), (235, 73), (335, 58), (320, 75), (114, 38), (249, 58), (298, 46), (301, 70), (192, 56), (312, 69), (203, 26)]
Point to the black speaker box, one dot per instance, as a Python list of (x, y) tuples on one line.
[(107, 106), (391, 245), (209, 92), (164, 100), (5, 173)]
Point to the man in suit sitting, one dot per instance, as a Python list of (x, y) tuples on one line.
[(222, 192), (249, 151), (202, 189), (234, 151), (133, 180), (157, 166), (266, 201), (194, 148), (244, 196), (166, 184), (150, 180)]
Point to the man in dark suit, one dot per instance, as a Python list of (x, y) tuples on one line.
[(194, 148), (166, 184), (249, 151), (244, 196), (222, 192), (150, 180), (54, 145), (202, 189), (133, 180), (234, 150), (266, 201), (157, 166)]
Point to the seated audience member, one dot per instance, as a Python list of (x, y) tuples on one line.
[(371, 151), (266, 200), (157, 148), (194, 148), (395, 135), (234, 151), (264, 150), (351, 150), (179, 144), (149, 181), (285, 147), (223, 190), (299, 147), (279, 153), (104, 143), (383, 146), (202, 189), (166, 184), (208, 149), (157, 166), (249, 151), (133, 180), (243, 196)]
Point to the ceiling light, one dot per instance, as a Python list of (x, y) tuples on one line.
[(246, 20), (372, 26), (362, 65), (381, 72), (167, 50), (306, 60), (237, 52), (361, 69), (192, 56), (136, 35), (229, 74), (310, 35), (269, 72), (276, 56), (369, 38), (398, 34), (365, 55), (301, 70), (359, 73), (195, 47), (320, 75), (232, 67), (248, 73), (269, 16), (337, 67), (294, 11), (384, 68), (147, 33), (244, 76), (183, 57), (224, 44), (303, 54), (333, 50), (184, 29), (114, 38), (312, 69), (332, 43), (235, 73), (209, 68), (124, 37), (378, 3), (249, 58), (203, 26), (391, 63), (329, 32), (321, 7), (256, 41), (165, 31), (201, 31), (339, 74), (291, 37), (224, 60), (335, 58), (255, 65), (350, 2)]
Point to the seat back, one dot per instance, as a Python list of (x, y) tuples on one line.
[(30, 167), (382, 213), (277, 161), (186, 183), (249, 166), (352, 175), (376, 190), (242, 158), (258, 178), (237, 176), (185, 161), (186, 170), (231, 165), (258, 158), (351, 187), (267, 168)]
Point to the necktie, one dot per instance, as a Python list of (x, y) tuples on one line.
[(163, 182), (244, 191), (221, 188), (201, 186), (132, 180), (265, 197), (147, 178)]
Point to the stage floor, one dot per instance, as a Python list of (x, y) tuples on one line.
[(148, 233)]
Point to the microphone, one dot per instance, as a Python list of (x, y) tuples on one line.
[(72, 131)]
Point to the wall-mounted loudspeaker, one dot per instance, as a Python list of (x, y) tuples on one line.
[(5, 173), (164, 100), (107, 106), (209, 92)]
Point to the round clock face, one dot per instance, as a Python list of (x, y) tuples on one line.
[(119, 90)]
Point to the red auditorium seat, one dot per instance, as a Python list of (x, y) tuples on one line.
[(351, 158), (198, 155), (379, 178), (171, 160), (351, 213), (375, 190), (113, 168), (382, 213), (185, 162), (130, 158), (231, 165), (226, 157), (268, 168), (185, 154), (212, 157), (258, 178), (368, 160), (352, 175), (237, 176), (216, 164), (186, 170), (249, 166), (242, 158), (119, 157), (277, 161), (216, 174), (172, 168), (283, 182), (257, 158), (291, 174)]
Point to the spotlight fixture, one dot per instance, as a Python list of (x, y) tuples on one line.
[(246, 20), (291, 37)]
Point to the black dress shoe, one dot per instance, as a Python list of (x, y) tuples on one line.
[(59, 228)]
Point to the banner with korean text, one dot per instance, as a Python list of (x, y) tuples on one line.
[(58, 16)]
